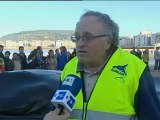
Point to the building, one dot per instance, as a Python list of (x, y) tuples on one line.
[(10, 43), (35, 43), (48, 43), (126, 42), (144, 39), (66, 43)]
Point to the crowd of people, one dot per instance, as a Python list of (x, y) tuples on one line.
[(55, 60), (145, 56), (141, 55)]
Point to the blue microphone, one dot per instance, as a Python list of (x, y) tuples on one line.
[(65, 95)]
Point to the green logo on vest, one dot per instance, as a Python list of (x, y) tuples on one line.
[(121, 70)]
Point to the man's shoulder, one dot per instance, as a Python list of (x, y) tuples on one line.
[(73, 61)]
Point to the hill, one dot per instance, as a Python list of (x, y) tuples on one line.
[(38, 35)]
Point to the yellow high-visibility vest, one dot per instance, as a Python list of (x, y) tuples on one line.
[(113, 95)]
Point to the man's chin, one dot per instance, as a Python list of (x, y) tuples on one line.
[(82, 60)]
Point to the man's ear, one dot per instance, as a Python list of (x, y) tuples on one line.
[(107, 45)]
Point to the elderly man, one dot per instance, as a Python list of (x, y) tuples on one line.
[(116, 84)]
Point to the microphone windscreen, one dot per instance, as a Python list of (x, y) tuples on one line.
[(72, 83)]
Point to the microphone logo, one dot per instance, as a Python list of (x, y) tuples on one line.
[(69, 80), (64, 98), (60, 95), (71, 101)]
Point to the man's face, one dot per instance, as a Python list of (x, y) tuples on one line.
[(39, 50), (95, 49), (7, 55), (57, 51), (21, 50), (1, 49), (15, 56), (51, 54)]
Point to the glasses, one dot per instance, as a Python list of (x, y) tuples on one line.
[(85, 38)]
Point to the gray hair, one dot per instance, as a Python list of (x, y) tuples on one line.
[(112, 29)]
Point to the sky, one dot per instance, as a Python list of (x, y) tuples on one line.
[(131, 16)]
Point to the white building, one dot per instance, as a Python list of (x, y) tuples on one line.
[(10, 43), (126, 42), (20, 43), (153, 39), (136, 41), (58, 43)]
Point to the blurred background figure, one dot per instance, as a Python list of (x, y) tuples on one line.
[(139, 53), (57, 55), (145, 58), (69, 55), (31, 60), (63, 58), (22, 57), (74, 52), (1, 52), (7, 59), (156, 58), (147, 51), (15, 63), (133, 51), (39, 62), (51, 61), (40, 51), (2, 65)]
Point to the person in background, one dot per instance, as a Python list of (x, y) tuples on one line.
[(31, 60), (74, 52), (116, 85), (57, 55), (145, 58), (147, 51), (15, 63), (133, 51), (1, 51), (139, 53), (22, 57), (40, 51), (6, 59), (63, 59), (51, 61), (2, 65), (156, 58), (69, 55), (39, 62)]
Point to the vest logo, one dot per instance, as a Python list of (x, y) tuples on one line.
[(120, 70)]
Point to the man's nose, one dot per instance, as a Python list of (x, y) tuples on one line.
[(81, 42)]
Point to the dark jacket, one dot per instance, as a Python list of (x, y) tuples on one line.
[(6, 61), (1, 55), (62, 61), (23, 60)]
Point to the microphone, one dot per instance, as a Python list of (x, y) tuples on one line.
[(65, 95)]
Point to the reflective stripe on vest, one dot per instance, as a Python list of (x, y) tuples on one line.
[(95, 115)]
